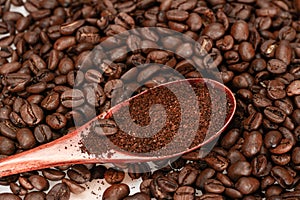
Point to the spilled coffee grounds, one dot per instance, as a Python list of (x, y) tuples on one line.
[(159, 124)]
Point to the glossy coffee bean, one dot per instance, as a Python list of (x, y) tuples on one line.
[(59, 191), (113, 176), (184, 192), (26, 138), (42, 133), (116, 191), (72, 98), (56, 121), (36, 195), (7, 146), (187, 175), (238, 169), (31, 113), (8, 196), (247, 185), (39, 182), (252, 144), (79, 174), (214, 186), (274, 114), (53, 175), (73, 186)]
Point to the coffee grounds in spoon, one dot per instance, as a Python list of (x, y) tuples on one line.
[(166, 140)]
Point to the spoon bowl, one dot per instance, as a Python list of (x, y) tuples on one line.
[(70, 149)]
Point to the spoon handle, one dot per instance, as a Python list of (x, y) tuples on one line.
[(62, 151)]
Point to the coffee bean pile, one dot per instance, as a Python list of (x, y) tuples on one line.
[(253, 43)]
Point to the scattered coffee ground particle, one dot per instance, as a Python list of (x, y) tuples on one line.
[(150, 142)]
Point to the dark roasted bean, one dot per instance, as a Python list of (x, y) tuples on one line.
[(116, 191), (113, 176), (31, 113), (36, 195), (39, 182), (53, 175), (59, 191), (79, 174)]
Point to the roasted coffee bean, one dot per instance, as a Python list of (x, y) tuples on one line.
[(214, 30), (31, 113), (274, 114), (246, 51), (74, 187), (272, 139), (70, 28), (39, 182), (217, 162), (124, 20), (79, 174), (194, 21), (10, 67), (97, 172), (203, 176), (36, 64), (225, 180), (8, 196), (184, 192), (64, 43), (293, 88), (138, 196), (177, 15), (17, 190), (53, 175), (213, 186), (7, 129), (166, 184), (7, 146), (59, 191), (210, 196), (104, 127), (252, 144), (247, 185), (239, 169), (253, 122), (230, 138), (286, 105), (65, 65), (88, 34), (56, 121), (157, 191), (93, 76), (35, 195), (282, 159), (233, 193), (42, 133), (282, 176), (187, 175), (51, 101), (26, 138), (36, 88), (260, 166), (113, 176), (35, 99), (240, 30), (276, 66), (116, 191), (295, 157), (72, 98)]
